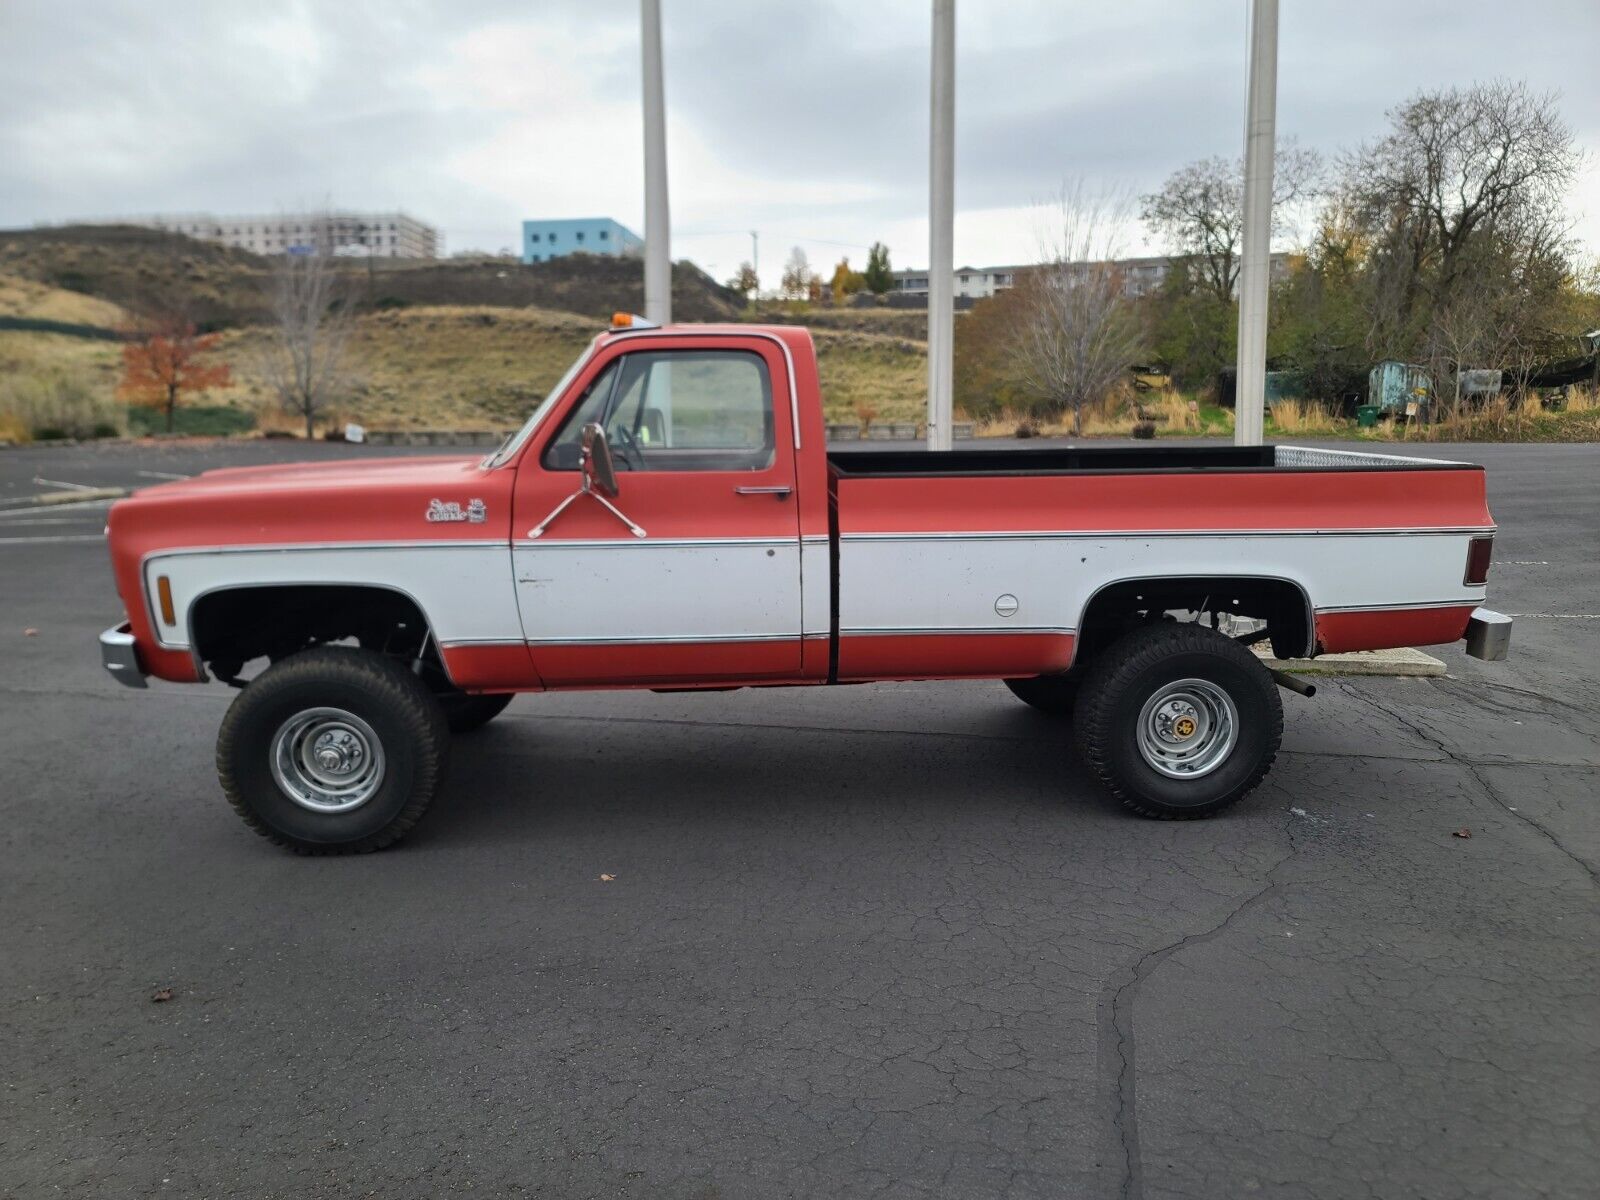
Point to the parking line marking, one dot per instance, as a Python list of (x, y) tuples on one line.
[(61, 483), (73, 506), (160, 475), (53, 539), (1558, 616)]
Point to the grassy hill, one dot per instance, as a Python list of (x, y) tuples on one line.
[(218, 287)]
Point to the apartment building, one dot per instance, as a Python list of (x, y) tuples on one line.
[(544, 240), (357, 234), (1140, 276)]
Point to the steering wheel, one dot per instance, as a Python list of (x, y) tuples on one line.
[(629, 445)]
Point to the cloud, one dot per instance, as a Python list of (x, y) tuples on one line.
[(805, 121)]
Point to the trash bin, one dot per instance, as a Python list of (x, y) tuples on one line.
[(1367, 415)]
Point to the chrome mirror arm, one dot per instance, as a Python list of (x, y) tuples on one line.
[(585, 490)]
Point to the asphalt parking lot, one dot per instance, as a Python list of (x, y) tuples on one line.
[(872, 941)]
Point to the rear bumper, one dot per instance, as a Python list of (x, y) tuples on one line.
[(1488, 635), (119, 656)]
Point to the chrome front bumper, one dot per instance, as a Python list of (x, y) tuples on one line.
[(117, 655), (1488, 635)]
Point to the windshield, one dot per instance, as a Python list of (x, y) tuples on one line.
[(513, 443)]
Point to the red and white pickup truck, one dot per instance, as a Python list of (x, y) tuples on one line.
[(670, 518)]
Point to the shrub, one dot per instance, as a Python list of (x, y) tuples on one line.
[(55, 404), (1144, 430)]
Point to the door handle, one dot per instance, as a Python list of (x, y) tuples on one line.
[(780, 491)]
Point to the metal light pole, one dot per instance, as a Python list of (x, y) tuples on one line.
[(941, 226), (657, 219), (1255, 259)]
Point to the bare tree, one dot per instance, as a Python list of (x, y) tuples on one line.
[(1199, 211), (1079, 330), (798, 277), (1462, 175), (313, 313)]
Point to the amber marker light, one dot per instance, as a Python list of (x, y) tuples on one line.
[(164, 595)]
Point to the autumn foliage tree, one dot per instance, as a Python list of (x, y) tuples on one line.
[(166, 361)]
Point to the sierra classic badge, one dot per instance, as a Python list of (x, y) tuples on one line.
[(441, 510)]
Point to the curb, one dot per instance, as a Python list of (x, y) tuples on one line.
[(1399, 663)]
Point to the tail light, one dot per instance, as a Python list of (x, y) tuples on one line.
[(1479, 551)]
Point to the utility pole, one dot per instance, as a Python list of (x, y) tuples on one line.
[(941, 225), (755, 263), (657, 219), (1256, 257)]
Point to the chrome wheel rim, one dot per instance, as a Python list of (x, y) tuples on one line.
[(1187, 729), (327, 760)]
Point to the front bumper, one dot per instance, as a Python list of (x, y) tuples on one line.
[(118, 655), (1488, 635)]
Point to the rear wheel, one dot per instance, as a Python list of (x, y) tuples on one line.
[(332, 751), (1178, 721), (1053, 694), (466, 713)]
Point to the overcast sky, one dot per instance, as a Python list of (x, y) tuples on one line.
[(803, 119)]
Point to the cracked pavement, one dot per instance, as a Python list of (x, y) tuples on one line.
[(882, 941)]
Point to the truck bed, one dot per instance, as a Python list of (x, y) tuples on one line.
[(1061, 460)]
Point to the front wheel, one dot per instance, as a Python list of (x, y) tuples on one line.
[(1178, 721), (332, 751)]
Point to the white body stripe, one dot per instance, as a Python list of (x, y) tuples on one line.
[(463, 589), (640, 591), (938, 583), (724, 589)]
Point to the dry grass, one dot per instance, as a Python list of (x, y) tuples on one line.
[(1582, 399), (24, 298), (1300, 418)]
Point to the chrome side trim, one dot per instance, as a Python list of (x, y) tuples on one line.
[(119, 656), (1457, 602), (656, 543), (1143, 534), (665, 639), (291, 547), (957, 630)]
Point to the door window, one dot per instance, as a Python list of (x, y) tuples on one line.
[(701, 410)]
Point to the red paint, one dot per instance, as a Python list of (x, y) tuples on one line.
[(683, 664), (952, 656), (497, 667), (1383, 629), (1233, 501)]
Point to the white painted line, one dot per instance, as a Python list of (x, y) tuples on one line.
[(53, 539), (1525, 562), (86, 518), (160, 475), (61, 483), (74, 506), (1558, 616)]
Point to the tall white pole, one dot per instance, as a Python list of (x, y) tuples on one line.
[(657, 219), (1255, 259), (941, 226)]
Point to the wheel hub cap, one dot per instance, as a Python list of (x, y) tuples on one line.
[(327, 760), (1187, 728)]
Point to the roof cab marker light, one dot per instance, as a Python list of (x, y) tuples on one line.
[(1479, 551), (622, 320)]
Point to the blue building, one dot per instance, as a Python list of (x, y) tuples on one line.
[(544, 240)]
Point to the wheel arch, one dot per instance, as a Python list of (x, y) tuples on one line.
[(1283, 602), (236, 618)]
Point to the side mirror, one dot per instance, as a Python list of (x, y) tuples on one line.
[(595, 462)]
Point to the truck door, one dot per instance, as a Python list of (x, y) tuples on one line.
[(691, 574)]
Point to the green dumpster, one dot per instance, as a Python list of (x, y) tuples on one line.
[(1367, 415)]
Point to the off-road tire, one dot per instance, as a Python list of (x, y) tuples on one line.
[(1053, 694), (466, 713), (1128, 672), (409, 724)]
